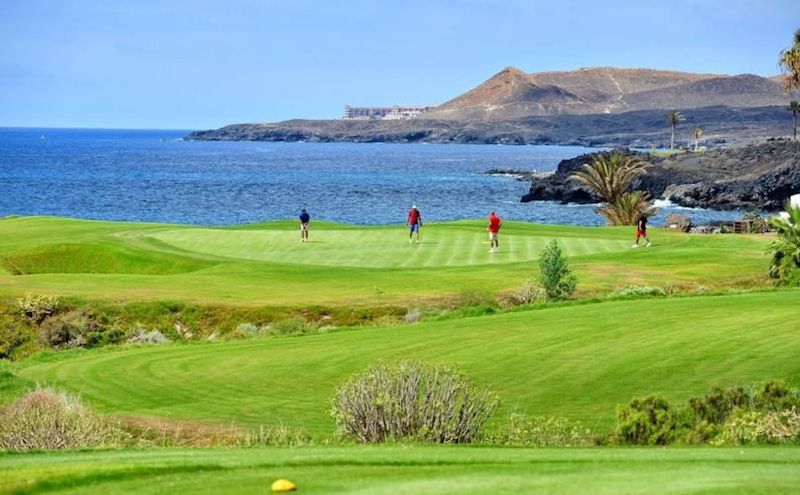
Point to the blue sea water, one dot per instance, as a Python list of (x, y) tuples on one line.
[(154, 176)]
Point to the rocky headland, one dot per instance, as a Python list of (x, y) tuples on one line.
[(755, 176), (602, 106)]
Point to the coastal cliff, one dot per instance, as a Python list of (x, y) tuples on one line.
[(759, 176)]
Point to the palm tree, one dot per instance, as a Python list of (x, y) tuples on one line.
[(794, 107), (627, 209), (674, 118), (697, 132), (609, 176), (786, 250), (790, 63)]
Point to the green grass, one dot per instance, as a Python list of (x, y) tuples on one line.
[(264, 264), (409, 470), (577, 361)]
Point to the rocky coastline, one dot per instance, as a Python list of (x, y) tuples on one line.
[(723, 126), (756, 176)]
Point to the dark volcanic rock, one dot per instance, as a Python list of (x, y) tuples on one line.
[(754, 176)]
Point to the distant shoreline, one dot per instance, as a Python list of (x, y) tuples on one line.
[(723, 126)]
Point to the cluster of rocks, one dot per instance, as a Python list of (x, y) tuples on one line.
[(761, 176)]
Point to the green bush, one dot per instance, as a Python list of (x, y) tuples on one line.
[(554, 273), (541, 431), (410, 400), (45, 419), (37, 307), (648, 421), (734, 415)]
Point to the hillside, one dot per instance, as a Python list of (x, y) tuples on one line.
[(514, 94)]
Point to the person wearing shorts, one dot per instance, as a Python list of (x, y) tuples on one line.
[(305, 218), (414, 222), (494, 229), (641, 230)]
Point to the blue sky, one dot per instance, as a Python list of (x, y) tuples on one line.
[(202, 64)]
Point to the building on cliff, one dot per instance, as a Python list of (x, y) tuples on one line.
[(385, 113)]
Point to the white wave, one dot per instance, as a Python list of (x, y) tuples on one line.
[(663, 203)]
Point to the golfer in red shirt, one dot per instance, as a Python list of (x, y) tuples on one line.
[(414, 222), (494, 229)]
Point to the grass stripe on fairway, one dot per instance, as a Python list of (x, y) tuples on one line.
[(376, 247), (574, 361), (407, 470)]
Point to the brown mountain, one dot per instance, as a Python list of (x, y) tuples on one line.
[(514, 94)]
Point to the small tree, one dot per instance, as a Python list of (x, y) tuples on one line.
[(697, 132), (555, 276), (674, 118), (785, 265)]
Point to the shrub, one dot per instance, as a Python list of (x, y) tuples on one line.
[(37, 307), (644, 291), (679, 222), (763, 427), (717, 404), (647, 421), (541, 431), (143, 336), (738, 415), (757, 225), (412, 316), (555, 276), (410, 400), (290, 326), (64, 330), (45, 419), (528, 293)]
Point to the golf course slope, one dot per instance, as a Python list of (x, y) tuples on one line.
[(577, 361)]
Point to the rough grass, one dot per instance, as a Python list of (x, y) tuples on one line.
[(408, 470), (345, 265), (574, 361)]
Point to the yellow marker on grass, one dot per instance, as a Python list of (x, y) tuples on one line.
[(283, 485)]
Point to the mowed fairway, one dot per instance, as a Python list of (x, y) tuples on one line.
[(266, 264), (378, 247), (407, 470), (574, 361)]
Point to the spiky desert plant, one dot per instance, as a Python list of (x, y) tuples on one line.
[(674, 118), (697, 132), (789, 62), (785, 265), (627, 209), (794, 107)]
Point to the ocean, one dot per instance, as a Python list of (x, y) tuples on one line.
[(155, 176)]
